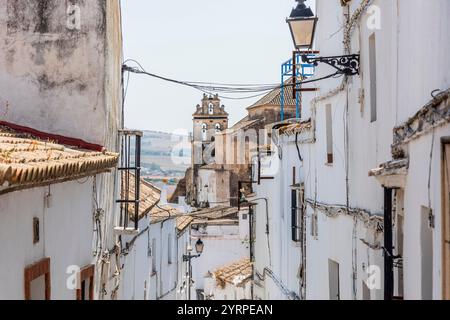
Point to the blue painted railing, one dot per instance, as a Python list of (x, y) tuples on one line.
[(304, 70)]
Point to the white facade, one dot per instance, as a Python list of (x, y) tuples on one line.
[(163, 267), (225, 242), (61, 74), (62, 55), (184, 241), (66, 233), (135, 281), (277, 258), (231, 291), (344, 205)]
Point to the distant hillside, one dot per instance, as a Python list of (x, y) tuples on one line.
[(165, 155)]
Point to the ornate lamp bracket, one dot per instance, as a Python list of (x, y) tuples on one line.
[(347, 64)]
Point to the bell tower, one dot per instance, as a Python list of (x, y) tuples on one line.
[(209, 118)]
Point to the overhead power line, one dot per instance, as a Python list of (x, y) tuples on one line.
[(253, 90)]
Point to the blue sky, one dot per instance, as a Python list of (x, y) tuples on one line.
[(232, 41)]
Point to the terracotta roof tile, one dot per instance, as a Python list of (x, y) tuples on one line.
[(160, 213), (236, 273), (219, 212), (149, 196), (183, 222), (295, 128), (273, 98), (27, 162)]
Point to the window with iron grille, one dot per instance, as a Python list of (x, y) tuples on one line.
[(297, 212), (130, 176)]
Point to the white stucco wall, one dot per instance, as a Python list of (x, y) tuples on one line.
[(405, 81), (66, 231), (416, 196), (70, 75), (136, 273), (207, 186), (224, 245), (163, 282), (72, 81), (182, 274), (230, 292)]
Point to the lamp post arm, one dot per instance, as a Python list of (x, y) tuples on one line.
[(347, 64), (189, 257)]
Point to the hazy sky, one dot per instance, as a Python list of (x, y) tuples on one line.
[(227, 41)]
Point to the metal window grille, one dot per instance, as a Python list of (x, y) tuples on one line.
[(130, 174)]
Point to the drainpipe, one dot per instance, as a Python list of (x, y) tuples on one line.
[(388, 247)]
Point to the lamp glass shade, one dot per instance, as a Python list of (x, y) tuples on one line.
[(303, 30), (199, 246)]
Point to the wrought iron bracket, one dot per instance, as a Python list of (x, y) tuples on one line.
[(347, 64), (188, 257)]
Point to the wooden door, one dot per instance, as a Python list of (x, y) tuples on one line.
[(34, 272)]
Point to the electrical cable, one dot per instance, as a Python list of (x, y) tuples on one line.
[(260, 89)]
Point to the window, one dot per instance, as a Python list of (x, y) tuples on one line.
[(204, 131), (86, 290), (37, 281), (373, 77), (36, 234), (169, 249), (333, 274), (211, 109), (154, 256), (329, 133), (218, 127), (297, 210)]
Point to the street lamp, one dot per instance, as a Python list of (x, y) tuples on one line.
[(302, 24), (199, 246)]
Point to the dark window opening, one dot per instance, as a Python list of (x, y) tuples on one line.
[(297, 212)]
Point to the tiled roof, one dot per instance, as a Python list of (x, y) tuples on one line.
[(27, 162), (160, 213), (216, 213), (215, 222), (243, 124), (273, 98), (149, 196), (236, 273), (295, 128), (183, 222)]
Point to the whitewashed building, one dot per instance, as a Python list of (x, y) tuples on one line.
[(231, 282), (225, 234), (61, 76), (183, 242), (367, 147), (135, 278), (47, 196), (153, 259)]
